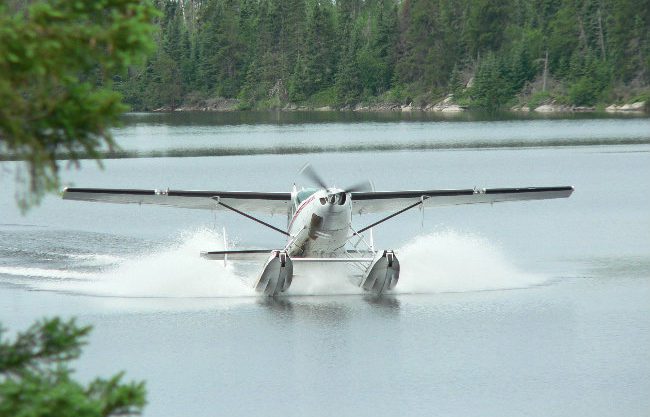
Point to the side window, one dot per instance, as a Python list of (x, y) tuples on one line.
[(303, 195)]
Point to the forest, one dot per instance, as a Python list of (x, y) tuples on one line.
[(312, 53)]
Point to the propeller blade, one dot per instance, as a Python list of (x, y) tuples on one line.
[(362, 186), (309, 172)]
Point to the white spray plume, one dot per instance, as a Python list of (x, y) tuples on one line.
[(433, 263), (453, 262), (175, 271)]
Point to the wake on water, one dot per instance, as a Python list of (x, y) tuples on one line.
[(432, 263)]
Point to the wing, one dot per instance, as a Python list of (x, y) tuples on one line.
[(381, 201), (267, 203)]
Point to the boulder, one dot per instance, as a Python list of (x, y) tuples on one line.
[(638, 106), (552, 108)]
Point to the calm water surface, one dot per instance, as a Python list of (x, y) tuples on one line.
[(533, 309)]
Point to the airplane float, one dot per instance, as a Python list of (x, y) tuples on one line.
[(319, 222)]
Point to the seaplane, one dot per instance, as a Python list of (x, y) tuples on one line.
[(319, 222)]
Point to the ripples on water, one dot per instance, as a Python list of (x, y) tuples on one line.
[(268, 133), (572, 342), (223, 135)]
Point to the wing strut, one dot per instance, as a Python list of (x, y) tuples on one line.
[(250, 217), (422, 200)]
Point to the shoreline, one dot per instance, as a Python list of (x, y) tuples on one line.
[(446, 106)]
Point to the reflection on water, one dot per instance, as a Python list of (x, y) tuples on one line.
[(187, 135), (302, 117), (332, 310), (327, 308), (281, 304), (266, 133), (387, 303)]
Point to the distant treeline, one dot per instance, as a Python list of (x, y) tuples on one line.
[(268, 53)]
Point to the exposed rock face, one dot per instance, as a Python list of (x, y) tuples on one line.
[(552, 108), (213, 104), (381, 107), (639, 106), (221, 104), (446, 106)]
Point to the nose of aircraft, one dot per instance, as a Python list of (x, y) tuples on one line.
[(334, 198), (333, 203)]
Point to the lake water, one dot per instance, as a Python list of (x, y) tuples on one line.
[(517, 309)]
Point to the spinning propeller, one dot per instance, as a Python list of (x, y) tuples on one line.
[(310, 173)]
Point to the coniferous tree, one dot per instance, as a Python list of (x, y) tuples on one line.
[(349, 78), (267, 52), (320, 49), (36, 378)]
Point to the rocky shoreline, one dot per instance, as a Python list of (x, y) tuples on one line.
[(445, 106), (639, 106), (636, 107)]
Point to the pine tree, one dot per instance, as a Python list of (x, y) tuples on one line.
[(320, 51), (220, 48), (348, 78), (37, 379)]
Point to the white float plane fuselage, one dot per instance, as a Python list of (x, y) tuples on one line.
[(320, 222)]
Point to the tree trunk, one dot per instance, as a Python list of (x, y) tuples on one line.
[(545, 71)]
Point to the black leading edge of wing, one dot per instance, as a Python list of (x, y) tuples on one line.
[(382, 195), (249, 201), (383, 201), (245, 195)]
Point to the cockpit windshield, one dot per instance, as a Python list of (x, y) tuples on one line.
[(304, 194)]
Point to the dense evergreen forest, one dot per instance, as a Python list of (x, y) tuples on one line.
[(487, 53)]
